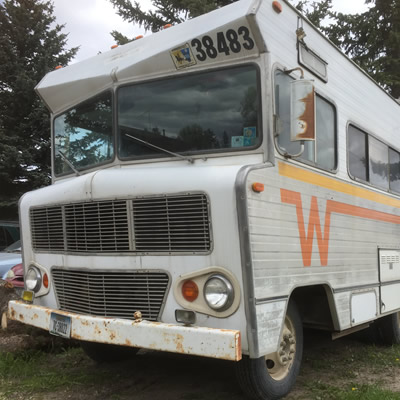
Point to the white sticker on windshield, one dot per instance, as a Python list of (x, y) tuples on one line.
[(237, 141)]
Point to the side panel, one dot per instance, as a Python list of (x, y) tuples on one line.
[(308, 228)]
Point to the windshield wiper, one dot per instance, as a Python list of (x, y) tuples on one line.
[(63, 156), (187, 158)]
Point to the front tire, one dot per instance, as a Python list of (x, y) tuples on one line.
[(273, 376), (100, 352)]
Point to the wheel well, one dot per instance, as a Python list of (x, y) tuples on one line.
[(316, 307)]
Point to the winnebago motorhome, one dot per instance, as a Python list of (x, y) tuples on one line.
[(217, 186)]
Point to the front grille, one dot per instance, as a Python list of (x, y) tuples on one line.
[(157, 224), (171, 224), (97, 227), (47, 229), (111, 294)]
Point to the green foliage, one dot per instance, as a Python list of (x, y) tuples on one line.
[(166, 12), (371, 39), (29, 48)]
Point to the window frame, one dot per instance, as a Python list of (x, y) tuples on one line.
[(330, 101), (53, 138), (199, 153)]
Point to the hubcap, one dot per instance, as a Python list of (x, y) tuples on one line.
[(280, 362)]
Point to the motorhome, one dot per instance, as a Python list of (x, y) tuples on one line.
[(216, 187)]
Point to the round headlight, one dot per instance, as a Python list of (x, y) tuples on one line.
[(33, 279), (218, 292)]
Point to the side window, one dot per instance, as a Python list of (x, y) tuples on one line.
[(372, 160), (378, 163), (394, 170), (358, 156), (322, 152)]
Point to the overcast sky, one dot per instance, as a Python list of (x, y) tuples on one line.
[(89, 22)]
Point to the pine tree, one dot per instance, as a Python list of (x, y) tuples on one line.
[(29, 48), (371, 39), (166, 12)]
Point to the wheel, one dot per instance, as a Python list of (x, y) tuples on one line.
[(389, 328), (273, 376), (101, 352)]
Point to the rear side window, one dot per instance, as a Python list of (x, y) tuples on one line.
[(358, 154), (373, 161)]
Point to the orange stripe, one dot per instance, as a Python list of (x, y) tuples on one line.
[(314, 178)]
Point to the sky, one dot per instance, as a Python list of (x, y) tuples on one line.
[(89, 22)]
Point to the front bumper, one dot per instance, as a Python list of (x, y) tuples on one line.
[(207, 342)]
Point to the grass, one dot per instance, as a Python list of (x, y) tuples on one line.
[(37, 371)]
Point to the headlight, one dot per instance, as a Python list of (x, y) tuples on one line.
[(218, 292), (33, 279)]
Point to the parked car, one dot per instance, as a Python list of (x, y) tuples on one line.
[(16, 276), (10, 257), (9, 233)]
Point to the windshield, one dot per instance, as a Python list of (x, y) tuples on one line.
[(83, 135), (206, 112)]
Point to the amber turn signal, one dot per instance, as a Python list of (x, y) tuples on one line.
[(190, 291), (45, 281), (257, 187)]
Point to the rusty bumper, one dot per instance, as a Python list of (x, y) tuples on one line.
[(207, 342)]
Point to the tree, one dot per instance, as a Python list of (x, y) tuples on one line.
[(371, 39), (29, 48), (166, 12)]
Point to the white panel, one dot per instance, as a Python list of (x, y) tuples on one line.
[(270, 318), (390, 297), (389, 264), (363, 307)]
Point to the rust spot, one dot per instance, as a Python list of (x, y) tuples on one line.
[(12, 313), (97, 331), (112, 336), (35, 316), (85, 323), (21, 317), (77, 337), (128, 342), (179, 343), (238, 347), (307, 118)]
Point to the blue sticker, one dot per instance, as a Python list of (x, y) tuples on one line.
[(249, 136)]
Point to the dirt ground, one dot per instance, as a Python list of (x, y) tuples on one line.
[(153, 375)]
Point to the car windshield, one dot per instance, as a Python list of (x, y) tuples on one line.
[(196, 113), (83, 135), (13, 248)]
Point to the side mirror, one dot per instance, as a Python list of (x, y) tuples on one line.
[(302, 110)]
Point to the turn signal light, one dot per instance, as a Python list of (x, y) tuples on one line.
[(190, 290), (257, 187), (139, 37), (114, 46), (58, 67), (45, 281), (167, 26)]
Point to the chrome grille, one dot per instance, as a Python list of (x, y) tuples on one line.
[(97, 227), (111, 294), (161, 224), (171, 224), (47, 228)]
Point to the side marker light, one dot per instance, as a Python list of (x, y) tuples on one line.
[(257, 187), (114, 46), (277, 6), (58, 67)]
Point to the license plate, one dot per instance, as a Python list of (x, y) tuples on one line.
[(60, 325)]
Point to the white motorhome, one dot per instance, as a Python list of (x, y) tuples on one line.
[(217, 186)]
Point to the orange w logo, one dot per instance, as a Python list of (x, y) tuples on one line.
[(314, 224)]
